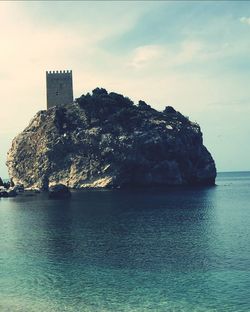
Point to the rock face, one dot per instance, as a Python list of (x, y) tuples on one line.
[(59, 191), (104, 140)]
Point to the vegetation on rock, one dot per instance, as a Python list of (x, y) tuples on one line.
[(104, 140)]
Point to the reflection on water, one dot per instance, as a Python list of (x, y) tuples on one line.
[(162, 250)]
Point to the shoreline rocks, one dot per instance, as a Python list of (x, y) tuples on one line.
[(59, 191), (8, 189), (7, 192)]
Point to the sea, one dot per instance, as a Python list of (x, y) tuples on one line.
[(177, 250)]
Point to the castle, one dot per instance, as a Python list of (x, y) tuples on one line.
[(59, 88)]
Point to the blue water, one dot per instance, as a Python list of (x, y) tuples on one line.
[(156, 250)]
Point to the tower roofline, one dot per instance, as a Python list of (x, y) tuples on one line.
[(52, 72)]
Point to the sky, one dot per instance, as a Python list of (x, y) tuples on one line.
[(192, 55)]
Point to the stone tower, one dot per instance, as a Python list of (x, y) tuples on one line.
[(59, 88)]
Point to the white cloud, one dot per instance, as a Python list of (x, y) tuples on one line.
[(169, 56), (144, 55), (189, 51), (245, 20), (166, 55)]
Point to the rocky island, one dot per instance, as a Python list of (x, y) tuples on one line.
[(105, 140)]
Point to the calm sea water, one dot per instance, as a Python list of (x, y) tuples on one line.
[(156, 250)]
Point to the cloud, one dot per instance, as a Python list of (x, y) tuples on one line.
[(165, 55), (189, 51), (245, 20), (186, 52), (144, 55)]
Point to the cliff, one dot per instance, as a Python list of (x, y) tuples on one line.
[(104, 140)]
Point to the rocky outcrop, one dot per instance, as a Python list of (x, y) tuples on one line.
[(59, 191), (104, 140)]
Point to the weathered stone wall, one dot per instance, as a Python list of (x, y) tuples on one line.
[(59, 88)]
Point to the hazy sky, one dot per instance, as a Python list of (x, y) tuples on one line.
[(194, 56)]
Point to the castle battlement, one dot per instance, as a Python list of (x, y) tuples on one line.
[(52, 72), (59, 87)]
